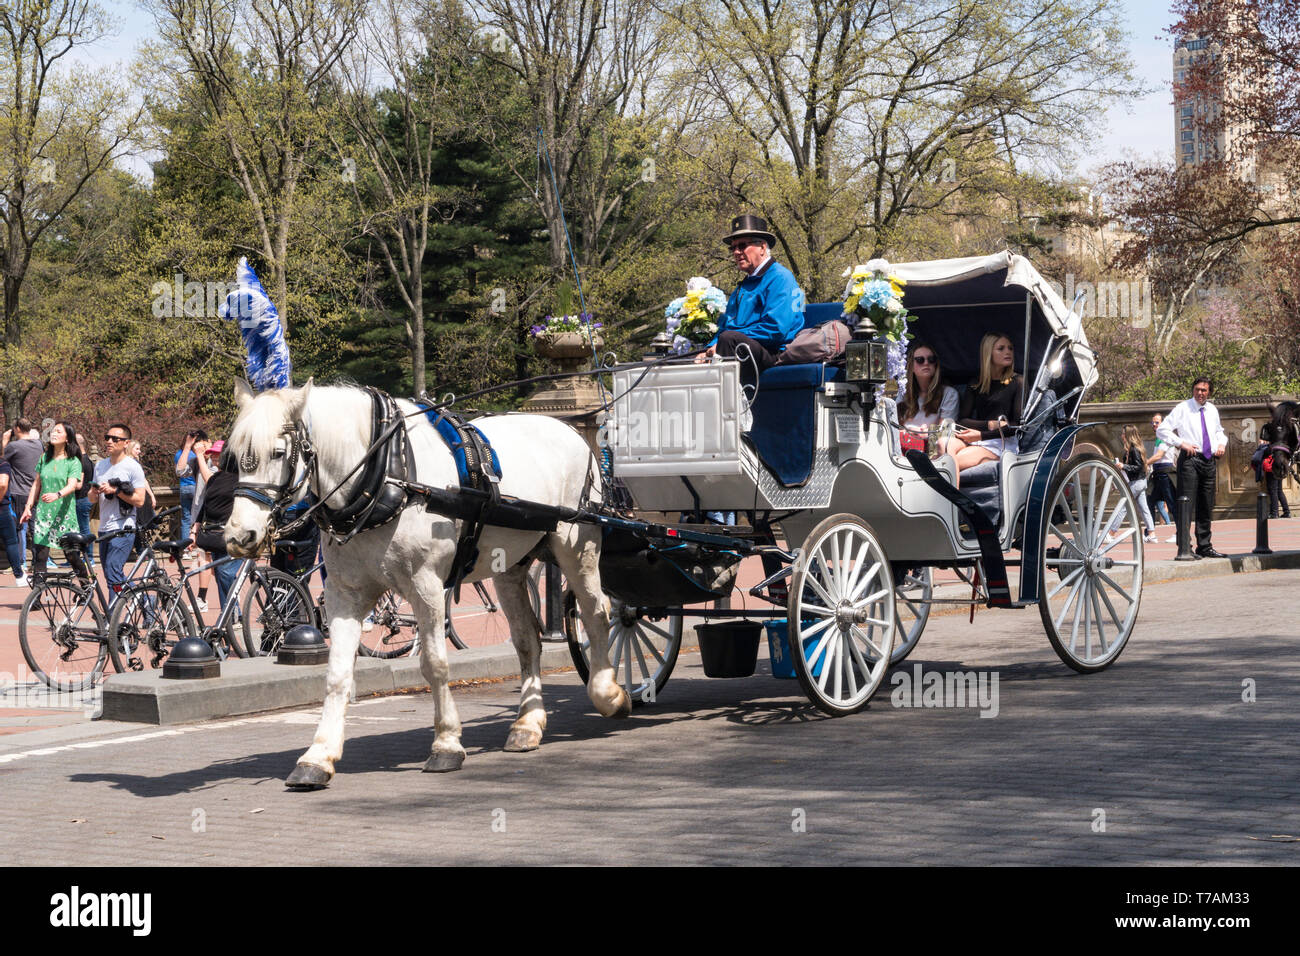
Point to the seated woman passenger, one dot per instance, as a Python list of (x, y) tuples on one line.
[(925, 400), (990, 405)]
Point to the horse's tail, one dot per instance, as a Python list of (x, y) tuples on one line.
[(596, 479)]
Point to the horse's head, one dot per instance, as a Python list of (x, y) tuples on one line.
[(267, 444), (1284, 437)]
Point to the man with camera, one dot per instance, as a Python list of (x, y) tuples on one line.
[(119, 488)]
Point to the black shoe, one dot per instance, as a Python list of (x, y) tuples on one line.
[(1197, 555), (1209, 553)]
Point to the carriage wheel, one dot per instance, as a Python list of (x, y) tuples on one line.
[(912, 608), (643, 651), (842, 593), (1091, 586)]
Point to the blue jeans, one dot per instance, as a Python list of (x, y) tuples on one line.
[(187, 508), (9, 534), (114, 554), (83, 522), (225, 575)]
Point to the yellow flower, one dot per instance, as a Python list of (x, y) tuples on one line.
[(896, 285)]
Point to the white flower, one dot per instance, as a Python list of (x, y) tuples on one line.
[(879, 265), (697, 284), (893, 306)]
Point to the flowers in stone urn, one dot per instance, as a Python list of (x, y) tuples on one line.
[(552, 325)]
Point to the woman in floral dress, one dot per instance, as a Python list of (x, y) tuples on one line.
[(52, 502)]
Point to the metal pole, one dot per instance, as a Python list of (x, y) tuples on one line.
[(1184, 533), (1261, 525), (1024, 362), (552, 603)]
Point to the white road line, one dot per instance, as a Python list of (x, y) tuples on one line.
[(288, 717)]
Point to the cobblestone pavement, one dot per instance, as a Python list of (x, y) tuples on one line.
[(1158, 760)]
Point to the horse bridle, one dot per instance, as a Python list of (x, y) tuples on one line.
[(277, 496)]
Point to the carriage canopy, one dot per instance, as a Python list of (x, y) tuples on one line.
[(957, 301)]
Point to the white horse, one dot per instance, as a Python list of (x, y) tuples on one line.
[(542, 460)]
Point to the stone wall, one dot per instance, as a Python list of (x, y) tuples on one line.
[(1242, 419)]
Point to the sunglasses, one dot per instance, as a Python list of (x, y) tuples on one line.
[(926, 359), (742, 244), (114, 438)]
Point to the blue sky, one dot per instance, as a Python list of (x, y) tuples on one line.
[(1142, 128)]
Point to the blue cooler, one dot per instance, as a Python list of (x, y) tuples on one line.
[(778, 650)]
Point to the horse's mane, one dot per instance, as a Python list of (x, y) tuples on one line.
[(330, 408)]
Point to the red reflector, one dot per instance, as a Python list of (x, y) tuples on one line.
[(673, 533)]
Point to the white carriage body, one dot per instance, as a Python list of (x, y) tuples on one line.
[(677, 432), (684, 421)]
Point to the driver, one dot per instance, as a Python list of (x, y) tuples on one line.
[(765, 312)]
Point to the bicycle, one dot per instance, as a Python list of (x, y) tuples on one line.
[(158, 613), (61, 627)]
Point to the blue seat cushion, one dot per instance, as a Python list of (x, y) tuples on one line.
[(784, 432)]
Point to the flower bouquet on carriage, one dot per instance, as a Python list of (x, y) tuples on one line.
[(693, 318), (873, 303)]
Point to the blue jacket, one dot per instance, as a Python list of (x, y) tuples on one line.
[(768, 308)]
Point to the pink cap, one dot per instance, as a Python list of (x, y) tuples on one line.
[(216, 447)]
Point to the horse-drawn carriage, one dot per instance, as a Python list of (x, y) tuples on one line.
[(850, 529), (814, 457)]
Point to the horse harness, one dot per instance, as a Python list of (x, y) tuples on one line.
[(387, 485)]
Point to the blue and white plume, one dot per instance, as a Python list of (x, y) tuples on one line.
[(268, 363)]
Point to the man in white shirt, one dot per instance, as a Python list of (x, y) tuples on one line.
[(1193, 427), (119, 489)]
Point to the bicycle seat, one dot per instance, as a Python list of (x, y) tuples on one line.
[(75, 542), (174, 548)]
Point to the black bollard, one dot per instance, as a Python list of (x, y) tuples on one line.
[(1261, 525), (303, 644), (1184, 532), (192, 658)]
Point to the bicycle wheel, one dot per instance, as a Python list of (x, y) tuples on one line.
[(147, 620), (61, 631), (482, 622), (389, 630), (276, 603)]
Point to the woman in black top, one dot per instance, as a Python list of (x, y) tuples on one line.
[(207, 530), (989, 406)]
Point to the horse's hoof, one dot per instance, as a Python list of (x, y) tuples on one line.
[(307, 776), (623, 706), (443, 763), (521, 740)]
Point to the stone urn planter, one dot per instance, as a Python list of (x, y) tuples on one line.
[(566, 347)]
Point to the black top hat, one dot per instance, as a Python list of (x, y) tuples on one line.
[(748, 225)]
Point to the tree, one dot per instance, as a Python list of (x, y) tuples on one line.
[(59, 128), (1181, 228), (863, 118), (262, 69)]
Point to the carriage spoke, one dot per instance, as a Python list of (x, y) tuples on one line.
[(1096, 616), (812, 629), (837, 564), (1081, 593), (1065, 582), (828, 661), (865, 637), (857, 577), (820, 591), (861, 661), (816, 609), (1065, 609), (1107, 578), (1114, 615)]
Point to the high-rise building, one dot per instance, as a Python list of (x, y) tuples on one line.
[(1202, 132)]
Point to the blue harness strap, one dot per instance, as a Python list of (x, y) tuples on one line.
[(450, 431)]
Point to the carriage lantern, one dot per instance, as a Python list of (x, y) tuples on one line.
[(866, 361)]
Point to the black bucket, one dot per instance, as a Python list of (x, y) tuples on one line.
[(729, 648)]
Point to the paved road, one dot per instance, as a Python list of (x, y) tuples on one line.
[(741, 771)]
